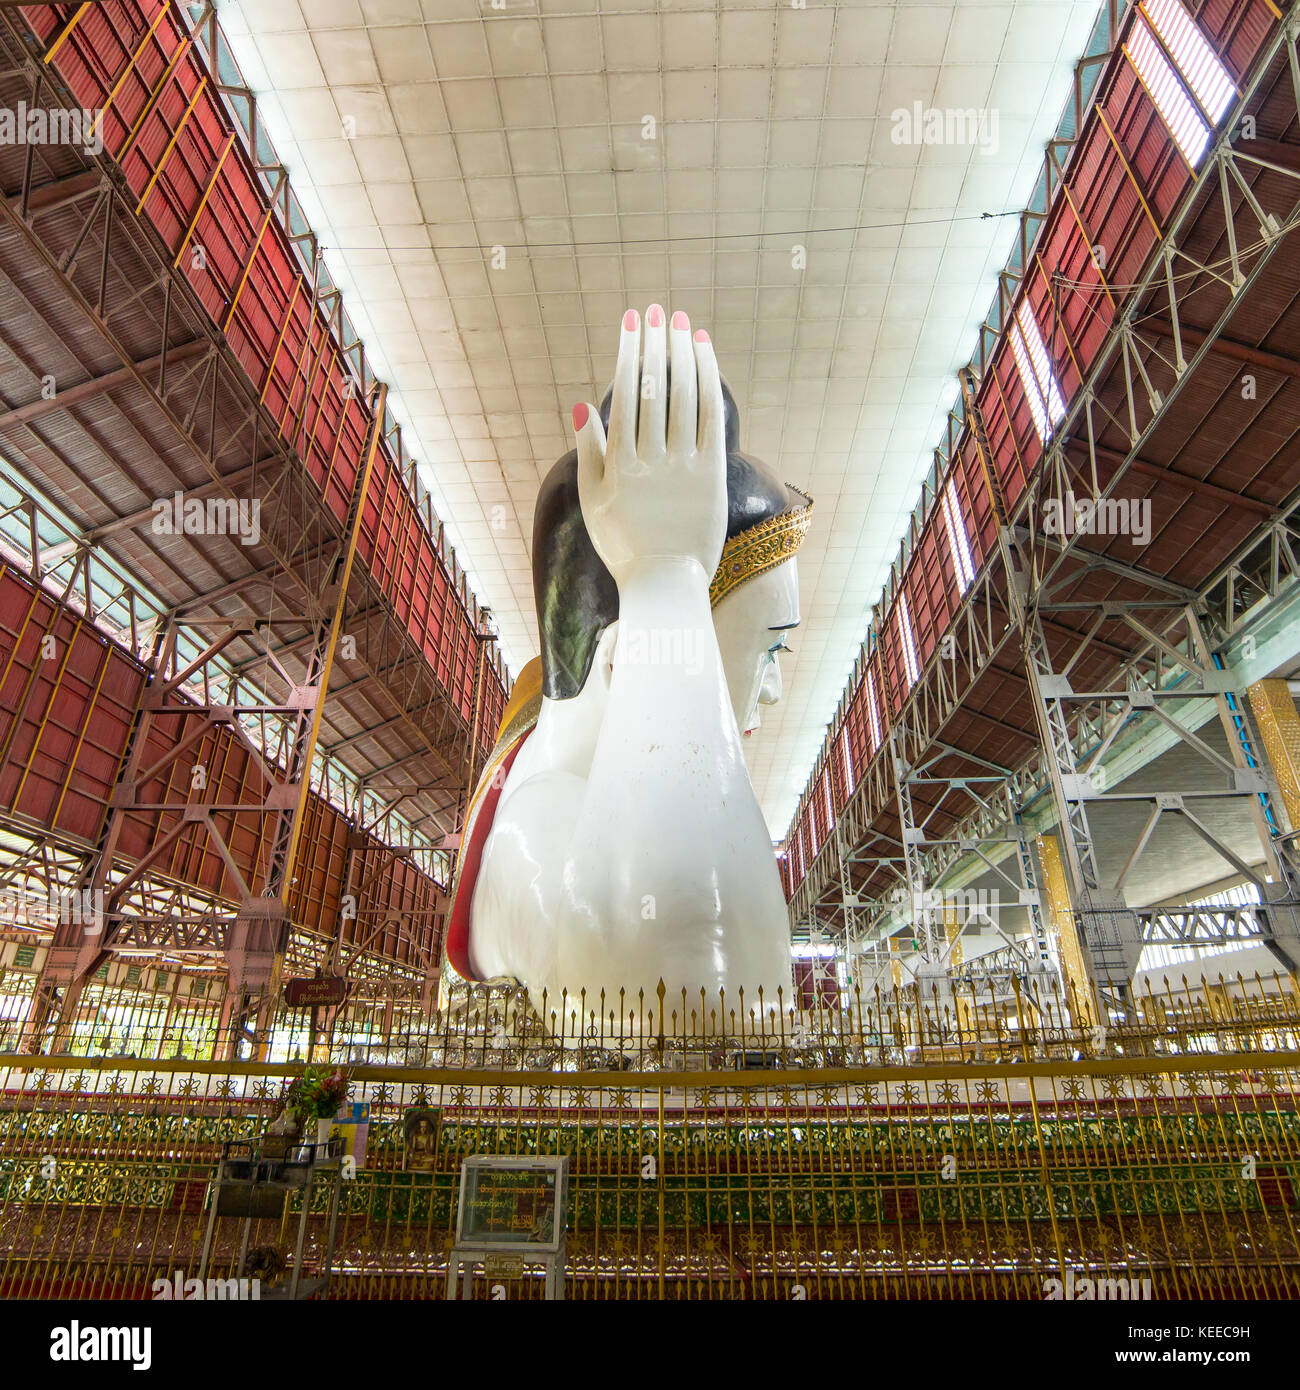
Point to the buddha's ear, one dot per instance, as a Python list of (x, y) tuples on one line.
[(602, 665)]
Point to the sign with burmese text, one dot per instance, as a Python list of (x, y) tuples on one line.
[(504, 1202), (318, 993)]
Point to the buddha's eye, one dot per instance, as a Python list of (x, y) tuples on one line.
[(780, 645)]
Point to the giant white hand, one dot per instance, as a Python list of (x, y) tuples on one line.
[(647, 858), (657, 488)]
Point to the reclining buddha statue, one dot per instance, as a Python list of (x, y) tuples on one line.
[(614, 839)]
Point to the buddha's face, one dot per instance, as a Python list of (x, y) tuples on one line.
[(752, 623)]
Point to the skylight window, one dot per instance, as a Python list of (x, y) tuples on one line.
[(1195, 86), (1197, 61), (1046, 404), (872, 709), (912, 666), (830, 806), (957, 542), (849, 779)]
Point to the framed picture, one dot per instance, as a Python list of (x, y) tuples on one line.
[(505, 1200), (352, 1126), (420, 1128)]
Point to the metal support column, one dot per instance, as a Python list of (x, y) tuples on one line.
[(913, 837), (1110, 937), (1110, 931)]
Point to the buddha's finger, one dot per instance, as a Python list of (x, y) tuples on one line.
[(682, 422), (622, 408), (712, 430), (591, 453), (654, 387)]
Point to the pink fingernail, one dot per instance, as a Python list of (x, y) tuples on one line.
[(580, 413), (680, 320), (655, 316), (630, 321), (701, 336)]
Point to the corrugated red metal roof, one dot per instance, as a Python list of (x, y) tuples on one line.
[(404, 706)]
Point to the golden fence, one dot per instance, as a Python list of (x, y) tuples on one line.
[(877, 1150), (166, 1016)]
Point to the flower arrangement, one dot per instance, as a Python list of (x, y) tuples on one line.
[(317, 1093)]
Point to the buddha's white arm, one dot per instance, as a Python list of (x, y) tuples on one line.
[(669, 869)]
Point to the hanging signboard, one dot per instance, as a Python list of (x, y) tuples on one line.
[(320, 992)]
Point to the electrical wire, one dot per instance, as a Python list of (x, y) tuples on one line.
[(576, 246)]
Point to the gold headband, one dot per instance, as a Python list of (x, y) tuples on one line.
[(759, 548)]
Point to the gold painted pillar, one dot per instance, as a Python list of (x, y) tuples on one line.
[(1274, 709), (1056, 894), (952, 925), (952, 933)]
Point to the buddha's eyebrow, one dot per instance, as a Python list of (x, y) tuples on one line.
[(785, 627)]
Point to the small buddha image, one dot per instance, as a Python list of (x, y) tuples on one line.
[(420, 1127), (282, 1133)]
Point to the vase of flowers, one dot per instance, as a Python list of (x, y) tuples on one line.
[(317, 1095)]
